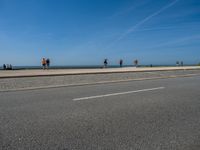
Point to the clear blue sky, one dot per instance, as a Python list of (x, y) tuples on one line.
[(84, 32)]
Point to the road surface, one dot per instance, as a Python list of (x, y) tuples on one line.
[(162, 114)]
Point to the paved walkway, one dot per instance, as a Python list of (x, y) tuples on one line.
[(47, 81), (56, 72)]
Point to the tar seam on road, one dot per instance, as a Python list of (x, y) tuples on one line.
[(115, 94)]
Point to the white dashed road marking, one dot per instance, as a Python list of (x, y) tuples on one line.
[(115, 94)]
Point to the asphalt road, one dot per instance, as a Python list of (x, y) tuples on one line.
[(159, 114)]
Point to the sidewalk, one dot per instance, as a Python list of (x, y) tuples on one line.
[(36, 79), (61, 72)]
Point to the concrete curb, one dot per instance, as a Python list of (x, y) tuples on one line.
[(102, 82)]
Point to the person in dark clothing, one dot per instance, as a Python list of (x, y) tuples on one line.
[(4, 66), (105, 63), (136, 63), (48, 63), (181, 63), (121, 62), (10, 67)]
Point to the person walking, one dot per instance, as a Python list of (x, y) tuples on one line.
[(181, 63), (4, 66), (136, 63), (105, 63), (11, 67), (48, 63), (43, 63), (121, 62), (177, 63)]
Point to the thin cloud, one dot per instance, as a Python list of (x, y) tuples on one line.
[(133, 28), (178, 41), (154, 29), (130, 9)]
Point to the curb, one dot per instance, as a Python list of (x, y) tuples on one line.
[(88, 73)]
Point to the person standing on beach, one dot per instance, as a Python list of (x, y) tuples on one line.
[(43, 63), (48, 63)]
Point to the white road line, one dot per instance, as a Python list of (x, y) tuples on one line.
[(121, 93)]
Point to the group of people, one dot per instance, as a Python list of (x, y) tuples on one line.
[(120, 63), (45, 63), (7, 67), (106, 63), (179, 63)]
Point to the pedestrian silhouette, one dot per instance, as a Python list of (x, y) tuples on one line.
[(177, 63), (10, 67), (181, 63), (105, 63), (43, 63), (136, 63), (121, 62), (4, 66), (48, 63)]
